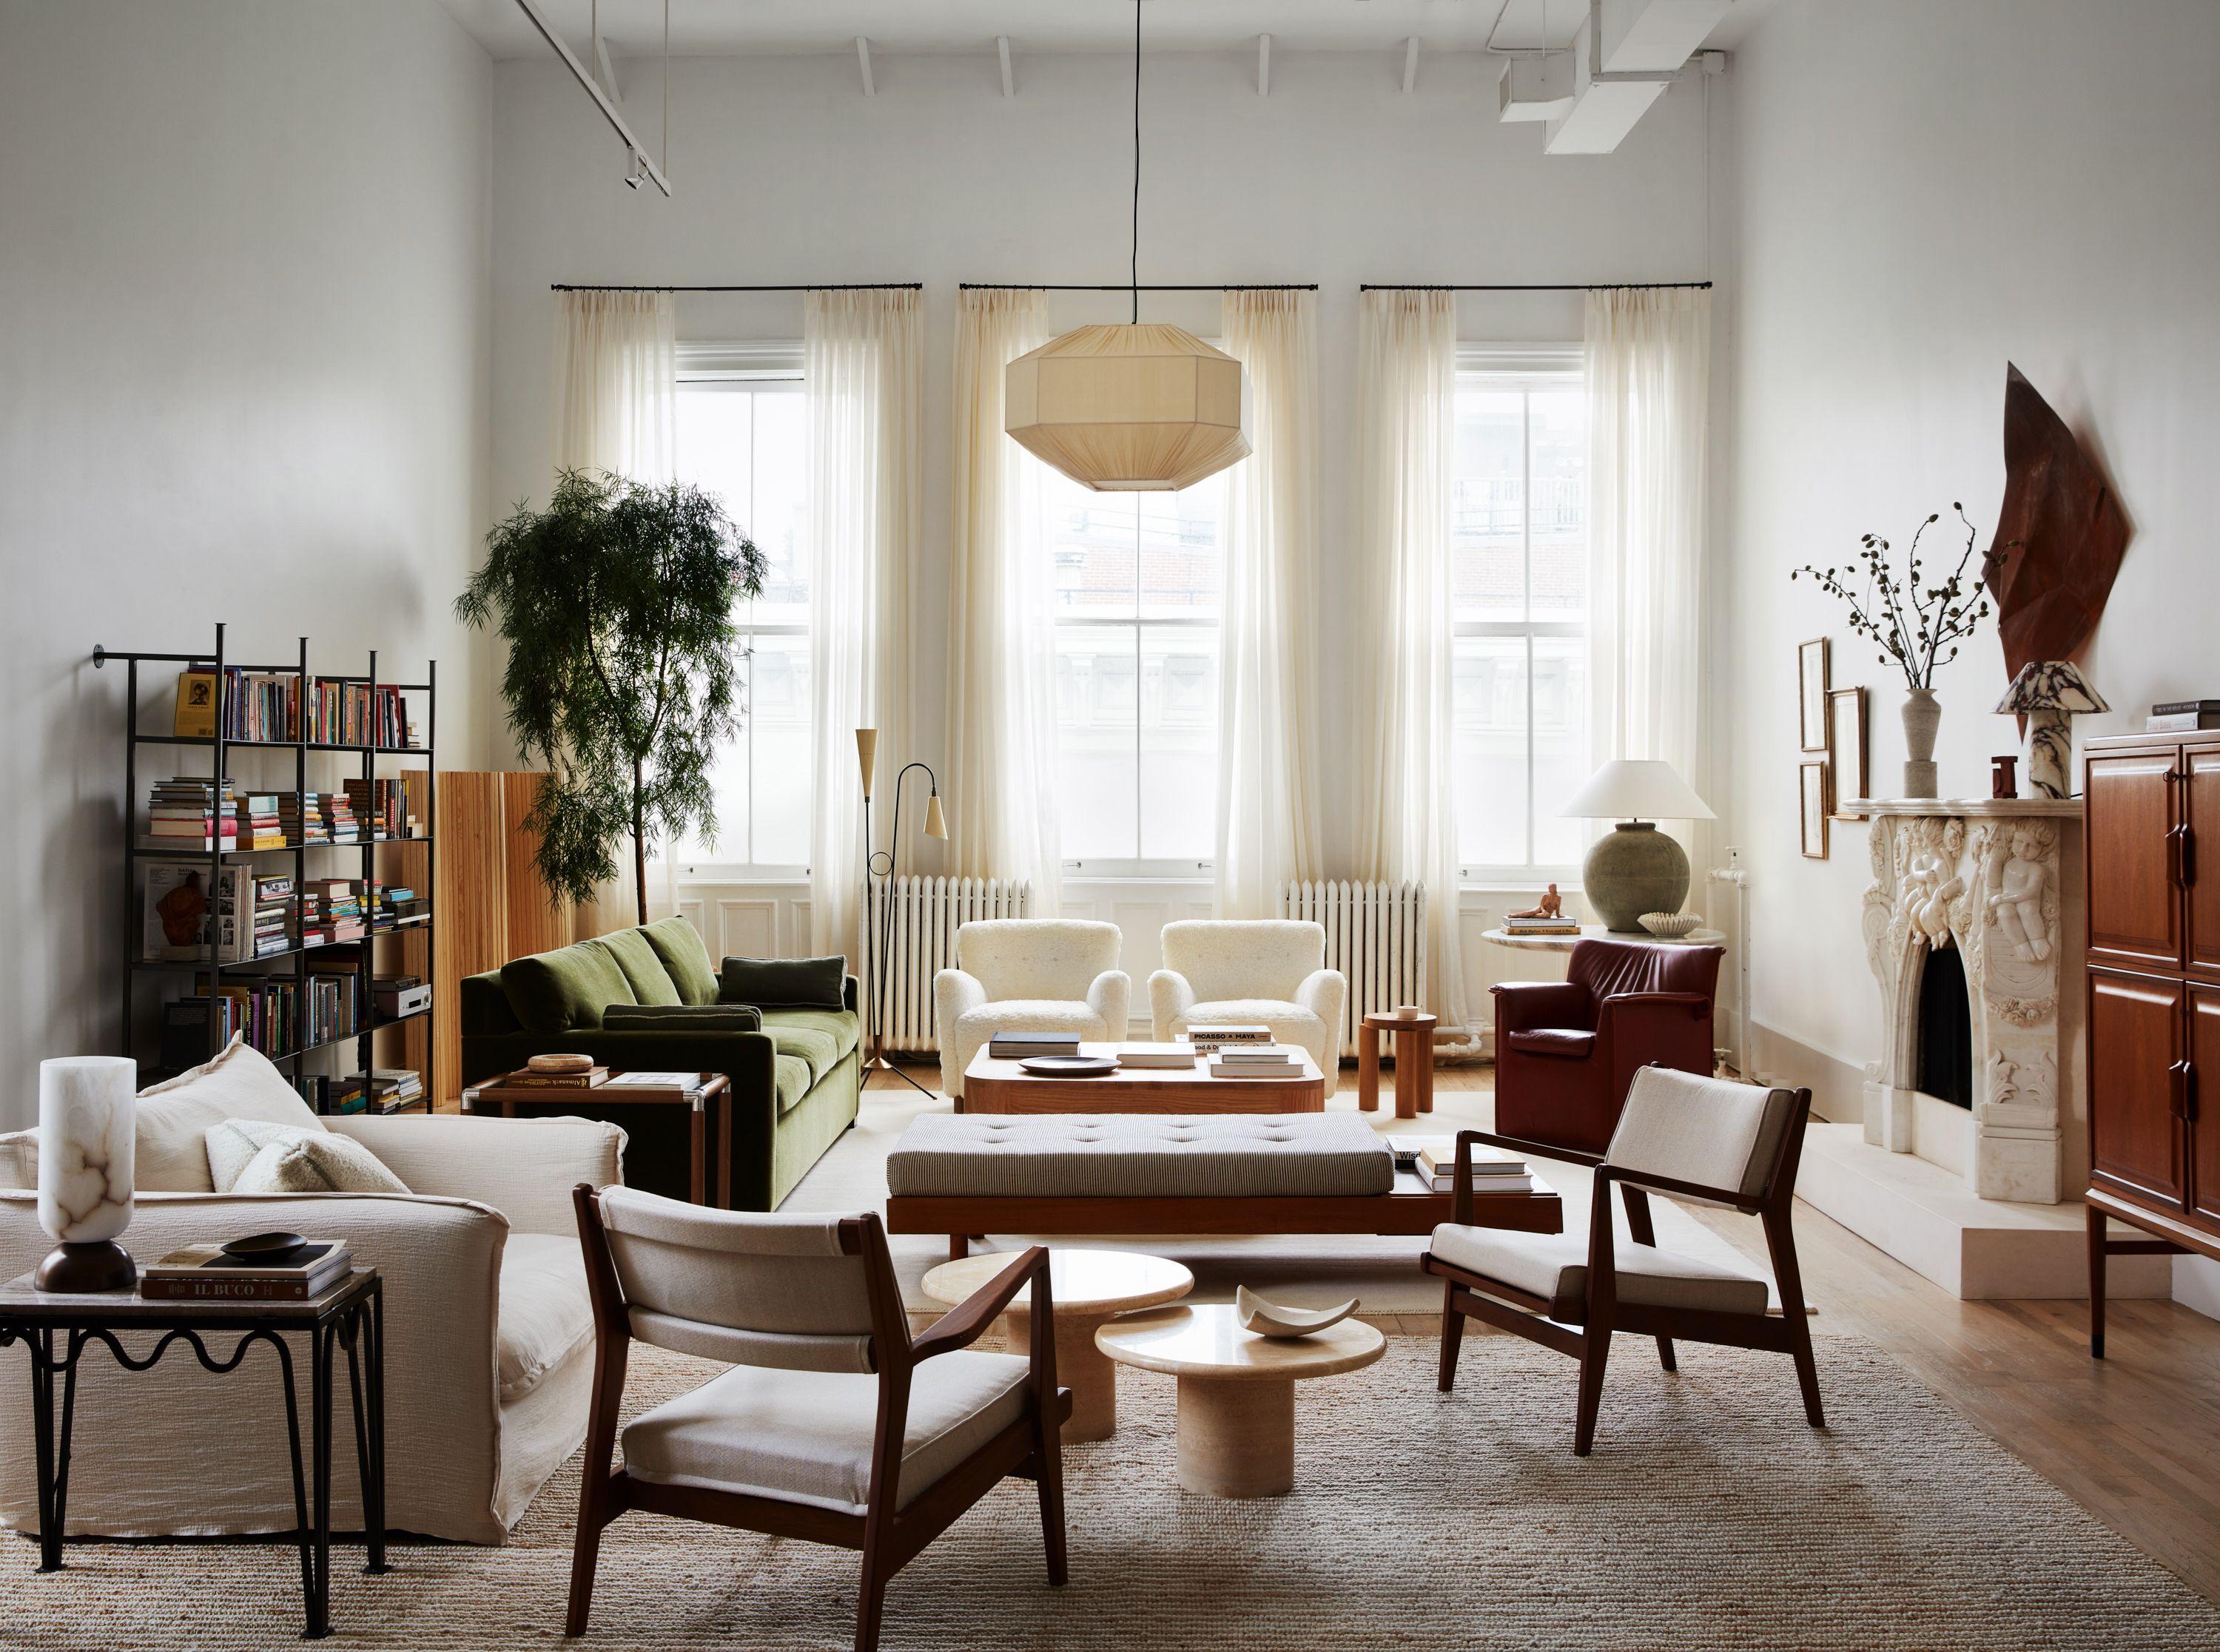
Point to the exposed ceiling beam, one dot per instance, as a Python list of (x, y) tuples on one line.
[(863, 62), (1410, 65), (601, 99), (1009, 80), (1264, 66)]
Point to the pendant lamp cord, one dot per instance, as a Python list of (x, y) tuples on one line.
[(1136, 162)]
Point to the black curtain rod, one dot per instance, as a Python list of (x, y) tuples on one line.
[(1127, 286), (1569, 286), (806, 286)]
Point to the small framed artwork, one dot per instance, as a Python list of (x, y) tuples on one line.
[(1813, 808), (1846, 741), (1812, 693)]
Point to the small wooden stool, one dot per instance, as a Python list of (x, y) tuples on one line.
[(1414, 1062)]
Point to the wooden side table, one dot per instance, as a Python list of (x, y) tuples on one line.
[(1414, 1062), (710, 1144), (351, 1314)]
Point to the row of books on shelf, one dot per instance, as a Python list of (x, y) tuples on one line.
[(271, 707), (182, 924), (279, 1015), (189, 812)]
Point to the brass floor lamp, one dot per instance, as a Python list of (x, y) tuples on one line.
[(878, 904)]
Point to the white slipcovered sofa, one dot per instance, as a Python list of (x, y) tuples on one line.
[(489, 1358), (1231, 972), (1031, 975)]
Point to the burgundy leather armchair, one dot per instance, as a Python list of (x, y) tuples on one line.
[(1566, 1051)]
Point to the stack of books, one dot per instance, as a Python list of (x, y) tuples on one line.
[(388, 807), (1208, 1040), (273, 915), (659, 1087), (1257, 1061), (207, 1273), (525, 1079), (1172, 1055), (1024, 1046), (2183, 716), (1434, 1162), (1527, 925), (301, 818), (339, 823), (340, 901), (187, 813), (396, 906), (388, 1089), (261, 824)]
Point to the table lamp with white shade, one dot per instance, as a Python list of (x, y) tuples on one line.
[(1635, 867)]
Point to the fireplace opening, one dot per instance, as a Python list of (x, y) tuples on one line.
[(1945, 1066)]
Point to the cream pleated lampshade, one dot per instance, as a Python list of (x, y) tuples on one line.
[(1137, 409)]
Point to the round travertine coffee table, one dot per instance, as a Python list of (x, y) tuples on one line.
[(1087, 1288), (1236, 1390)]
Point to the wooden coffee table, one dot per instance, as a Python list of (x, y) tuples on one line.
[(991, 1086), (1088, 1288), (1236, 1390)]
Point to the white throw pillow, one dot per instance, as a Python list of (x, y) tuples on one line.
[(175, 1116), (246, 1155)]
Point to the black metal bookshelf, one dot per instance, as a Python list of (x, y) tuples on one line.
[(293, 962)]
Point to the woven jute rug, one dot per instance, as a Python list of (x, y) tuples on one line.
[(1710, 1516)]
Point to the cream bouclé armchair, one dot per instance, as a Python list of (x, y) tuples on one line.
[(1028, 975), (1219, 972)]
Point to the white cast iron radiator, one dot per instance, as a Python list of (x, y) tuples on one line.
[(916, 919), (1375, 935)]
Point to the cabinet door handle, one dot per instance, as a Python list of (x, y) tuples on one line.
[(2183, 1087), (2174, 856)]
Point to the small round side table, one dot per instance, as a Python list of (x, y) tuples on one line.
[(1089, 1288), (1414, 1062)]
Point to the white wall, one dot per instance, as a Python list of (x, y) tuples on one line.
[(243, 376), (1926, 190), (784, 172)]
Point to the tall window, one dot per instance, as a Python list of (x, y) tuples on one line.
[(743, 435), (1138, 579), (1519, 540)]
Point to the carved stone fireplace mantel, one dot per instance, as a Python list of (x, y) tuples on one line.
[(1999, 880)]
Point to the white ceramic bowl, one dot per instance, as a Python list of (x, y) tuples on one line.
[(1672, 925)]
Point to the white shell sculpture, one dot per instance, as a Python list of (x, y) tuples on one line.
[(1270, 1320), (1671, 925)]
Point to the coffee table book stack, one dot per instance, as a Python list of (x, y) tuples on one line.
[(211, 1273), (251, 918), (1256, 1061), (1025, 1046), (1433, 1161)]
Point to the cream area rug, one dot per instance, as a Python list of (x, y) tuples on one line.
[(1709, 1516), (1311, 1270)]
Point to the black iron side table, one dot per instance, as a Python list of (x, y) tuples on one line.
[(57, 1329)]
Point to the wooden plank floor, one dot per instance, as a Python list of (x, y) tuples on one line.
[(2134, 1437)]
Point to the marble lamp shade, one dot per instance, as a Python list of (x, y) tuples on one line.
[(88, 1117), (2050, 694)]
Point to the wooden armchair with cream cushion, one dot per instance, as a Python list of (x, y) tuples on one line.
[(832, 1424), (1706, 1140), (1227, 972), (1028, 975)]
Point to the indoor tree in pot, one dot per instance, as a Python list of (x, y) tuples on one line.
[(1913, 623), (616, 603)]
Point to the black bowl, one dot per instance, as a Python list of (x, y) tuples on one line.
[(265, 1246)]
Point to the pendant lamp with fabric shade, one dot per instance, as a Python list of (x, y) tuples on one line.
[(1128, 408)]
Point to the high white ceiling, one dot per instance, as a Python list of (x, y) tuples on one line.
[(723, 27)]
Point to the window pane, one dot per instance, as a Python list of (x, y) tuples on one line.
[(1179, 742), (777, 518), (1560, 504), (728, 786), (1561, 757), (1182, 554), (1090, 547), (1095, 729), (1486, 503), (1488, 694), (777, 730)]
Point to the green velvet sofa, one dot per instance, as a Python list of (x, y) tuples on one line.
[(795, 1073)]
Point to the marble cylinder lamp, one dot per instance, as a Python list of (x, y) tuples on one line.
[(2050, 694), (88, 1112)]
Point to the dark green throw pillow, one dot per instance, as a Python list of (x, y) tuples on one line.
[(682, 1017), (784, 983)]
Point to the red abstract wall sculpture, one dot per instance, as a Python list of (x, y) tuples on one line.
[(2051, 585)]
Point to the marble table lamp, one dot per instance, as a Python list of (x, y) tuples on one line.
[(2050, 694), (88, 1112)]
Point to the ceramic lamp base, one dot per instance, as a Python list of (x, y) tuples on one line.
[(1634, 868), (86, 1266)]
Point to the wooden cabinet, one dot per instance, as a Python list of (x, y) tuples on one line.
[(2153, 986)]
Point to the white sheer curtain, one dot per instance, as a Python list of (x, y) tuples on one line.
[(1268, 780), (616, 409), (1000, 784), (862, 376), (1648, 363), (1407, 823)]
